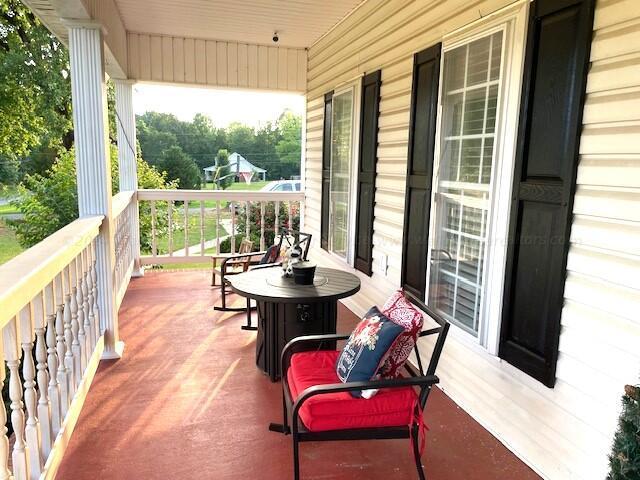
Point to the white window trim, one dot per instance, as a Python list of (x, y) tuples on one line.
[(355, 87), (512, 20)]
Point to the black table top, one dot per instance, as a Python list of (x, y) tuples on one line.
[(268, 285)]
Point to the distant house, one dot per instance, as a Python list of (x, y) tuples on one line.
[(244, 170)]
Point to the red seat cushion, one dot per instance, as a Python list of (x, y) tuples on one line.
[(340, 411)]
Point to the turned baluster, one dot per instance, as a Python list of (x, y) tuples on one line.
[(32, 427), (61, 349), (77, 320), (12, 353), (70, 312), (5, 473), (262, 242), (92, 335), (81, 336), (86, 309), (97, 330), (277, 218), (42, 375), (52, 356), (290, 219)]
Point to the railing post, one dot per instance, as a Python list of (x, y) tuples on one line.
[(127, 164), (88, 89)]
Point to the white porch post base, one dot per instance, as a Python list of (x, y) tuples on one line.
[(89, 97), (126, 127), (115, 354)]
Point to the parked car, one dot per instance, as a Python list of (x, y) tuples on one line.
[(283, 186)]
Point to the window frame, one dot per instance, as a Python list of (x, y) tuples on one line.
[(512, 21), (354, 87)]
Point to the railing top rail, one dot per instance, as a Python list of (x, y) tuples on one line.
[(233, 195), (120, 201), (26, 275)]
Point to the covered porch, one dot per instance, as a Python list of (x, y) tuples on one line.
[(187, 401), (117, 373)]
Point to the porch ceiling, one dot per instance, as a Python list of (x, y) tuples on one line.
[(299, 23)]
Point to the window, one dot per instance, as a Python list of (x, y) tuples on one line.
[(340, 172), (463, 187)]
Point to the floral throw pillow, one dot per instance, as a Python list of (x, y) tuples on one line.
[(401, 312), (367, 346)]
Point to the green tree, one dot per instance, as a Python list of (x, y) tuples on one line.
[(624, 460), (49, 201), (241, 139), (180, 167), (153, 142), (290, 144), (35, 92), (223, 176), (264, 153)]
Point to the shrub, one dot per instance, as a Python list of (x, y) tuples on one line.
[(50, 201), (269, 220), (225, 245)]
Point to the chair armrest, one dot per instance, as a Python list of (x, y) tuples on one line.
[(265, 265), (306, 394), (287, 351), (236, 257)]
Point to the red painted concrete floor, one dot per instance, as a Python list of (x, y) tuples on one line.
[(187, 401)]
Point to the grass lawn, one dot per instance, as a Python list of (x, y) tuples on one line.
[(241, 186), (9, 246), (194, 230), (8, 208)]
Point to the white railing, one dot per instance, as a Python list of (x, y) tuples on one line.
[(187, 224), (124, 207), (52, 339)]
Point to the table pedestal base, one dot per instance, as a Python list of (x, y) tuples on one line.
[(278, 323)]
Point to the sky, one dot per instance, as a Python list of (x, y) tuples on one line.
[(223, 106)]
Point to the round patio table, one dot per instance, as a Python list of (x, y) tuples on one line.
[(287, 310)]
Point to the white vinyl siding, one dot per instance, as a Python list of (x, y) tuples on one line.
[(564, 432)]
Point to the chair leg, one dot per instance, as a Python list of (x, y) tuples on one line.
[(296, 459), (285, 415), (415, 440)]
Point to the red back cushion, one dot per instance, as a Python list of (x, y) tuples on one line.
[(402, 312)]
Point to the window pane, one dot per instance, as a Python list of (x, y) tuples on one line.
[(469, 105), (341, 143)]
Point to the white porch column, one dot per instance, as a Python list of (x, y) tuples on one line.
[(126, 125), (89, 100)]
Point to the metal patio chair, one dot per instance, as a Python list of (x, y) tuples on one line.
[(251, 260), (418, 379)]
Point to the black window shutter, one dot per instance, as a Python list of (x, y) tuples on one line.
[(555, 75), (367, 170), (422, 138), (326, 170)]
